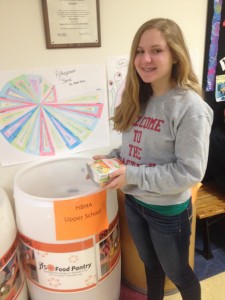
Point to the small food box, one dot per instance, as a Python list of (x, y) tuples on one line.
[(99, 170)]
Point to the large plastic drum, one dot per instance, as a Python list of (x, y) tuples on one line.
[(12, 279), (133, 273), (69, 231)]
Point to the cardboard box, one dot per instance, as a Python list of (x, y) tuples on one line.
[(99, 170)]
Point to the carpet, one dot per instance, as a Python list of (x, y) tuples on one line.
[(205, 268)]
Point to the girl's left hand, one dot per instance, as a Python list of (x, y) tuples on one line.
[(117, 179)]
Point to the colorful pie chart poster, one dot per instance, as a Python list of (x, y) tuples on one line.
[(52, 112)]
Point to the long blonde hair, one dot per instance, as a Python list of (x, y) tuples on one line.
[(136, 91)]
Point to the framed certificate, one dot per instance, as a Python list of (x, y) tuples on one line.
[(71, 23)]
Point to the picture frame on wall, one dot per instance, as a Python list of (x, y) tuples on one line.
[(71, 24)]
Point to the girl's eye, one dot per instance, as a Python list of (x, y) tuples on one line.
[(139, 51), (156, 51)]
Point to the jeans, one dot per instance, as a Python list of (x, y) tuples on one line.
[(163, 246)]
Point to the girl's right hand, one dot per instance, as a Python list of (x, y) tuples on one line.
[(96, 157)]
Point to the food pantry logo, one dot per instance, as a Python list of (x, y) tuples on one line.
[(51, 268)]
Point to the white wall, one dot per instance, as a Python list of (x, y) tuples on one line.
[(22, 38)]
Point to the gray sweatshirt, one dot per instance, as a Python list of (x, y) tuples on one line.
[(166, 150)]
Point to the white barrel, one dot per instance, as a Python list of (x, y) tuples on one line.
[(69, 231), (12, 279)]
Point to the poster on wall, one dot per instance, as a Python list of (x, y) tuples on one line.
[(116, 75), (214, 61), (52, 112)]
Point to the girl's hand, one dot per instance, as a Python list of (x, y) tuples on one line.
[(117, 179), (96, 157)]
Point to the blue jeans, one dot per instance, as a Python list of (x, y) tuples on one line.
[(163, 246)]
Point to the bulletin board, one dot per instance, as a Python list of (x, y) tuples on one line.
[(214, 59)]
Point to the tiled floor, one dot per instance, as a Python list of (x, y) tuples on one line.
[(211, 273), (213, 288)]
